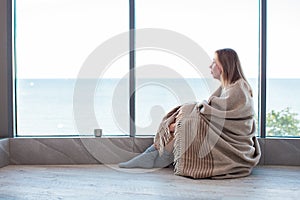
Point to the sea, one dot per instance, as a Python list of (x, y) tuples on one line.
[(72, 107)]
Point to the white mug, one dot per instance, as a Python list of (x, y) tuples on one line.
[(98, 132)]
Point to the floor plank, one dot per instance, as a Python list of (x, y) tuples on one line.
[(110, 182)]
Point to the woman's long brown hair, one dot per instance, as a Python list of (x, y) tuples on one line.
[(232, 69)]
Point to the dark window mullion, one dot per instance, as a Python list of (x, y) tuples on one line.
[(6, 72), (263, 65), (132, 68)]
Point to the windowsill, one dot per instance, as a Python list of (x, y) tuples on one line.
[(86, 136), (115, 149)]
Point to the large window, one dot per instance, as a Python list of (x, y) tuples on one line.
[(62, 89), (283, 90), (162, 70), (53, 42)]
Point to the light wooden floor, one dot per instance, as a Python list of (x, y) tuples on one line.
[(109, 182)]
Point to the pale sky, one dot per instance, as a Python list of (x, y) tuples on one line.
[(55, 37)]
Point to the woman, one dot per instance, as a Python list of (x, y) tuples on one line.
[(215, 138)]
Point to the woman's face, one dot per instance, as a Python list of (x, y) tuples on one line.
[(216, 68)]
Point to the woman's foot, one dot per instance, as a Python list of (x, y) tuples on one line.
[(164, 160), (144, 160)]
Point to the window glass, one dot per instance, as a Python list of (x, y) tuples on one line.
[(283, 79), (54, 40), (166, 77)]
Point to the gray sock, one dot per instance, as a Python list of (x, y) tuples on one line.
[(164, 160), (144, 160), (151, 148)]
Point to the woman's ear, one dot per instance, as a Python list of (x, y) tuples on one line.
[(220, 67)]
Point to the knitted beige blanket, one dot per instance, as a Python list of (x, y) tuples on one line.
[(215, 138)]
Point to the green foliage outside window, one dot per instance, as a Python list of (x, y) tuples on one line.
[(282, 123)]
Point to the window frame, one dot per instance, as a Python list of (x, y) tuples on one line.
[(263, 68), (6, 71), (8, 121)]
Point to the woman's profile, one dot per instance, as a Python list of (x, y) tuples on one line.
[(214, 138)]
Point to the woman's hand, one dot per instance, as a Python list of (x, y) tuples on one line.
[(172, 128)]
